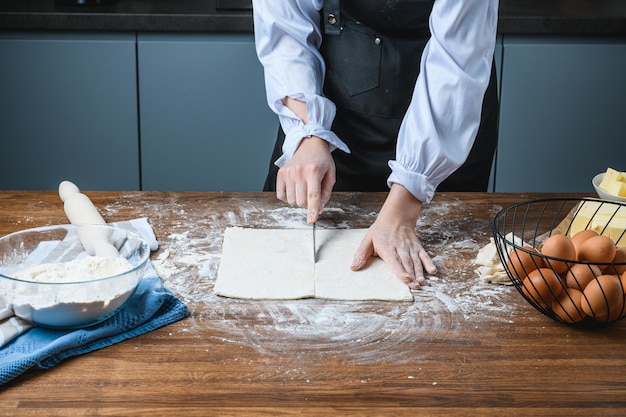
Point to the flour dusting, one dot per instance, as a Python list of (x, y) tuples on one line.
[(357, 332)]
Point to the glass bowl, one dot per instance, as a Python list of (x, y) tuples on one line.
[(70, 276)]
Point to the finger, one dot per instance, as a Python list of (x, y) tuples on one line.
[(363, 253), (288, 188), (300, 191), (403, 272), (291, 195), (281, 188), (412, 263), (328, 182), (314, 201), (427, 263), (410, 267), (418, 270)]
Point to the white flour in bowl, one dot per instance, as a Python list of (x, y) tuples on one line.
[(64, 294), (78, 270)]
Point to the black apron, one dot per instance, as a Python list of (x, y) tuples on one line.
[(372, 50)]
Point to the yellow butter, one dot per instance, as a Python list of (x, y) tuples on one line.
[(607, 219), (614, 175), (617, 188)]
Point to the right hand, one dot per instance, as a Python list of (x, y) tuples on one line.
[(308, 178)]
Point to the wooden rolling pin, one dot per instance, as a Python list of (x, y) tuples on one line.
[(80, 211)]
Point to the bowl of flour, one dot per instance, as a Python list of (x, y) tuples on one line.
[(70, 276)]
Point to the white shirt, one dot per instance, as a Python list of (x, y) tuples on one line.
[(440, 125)]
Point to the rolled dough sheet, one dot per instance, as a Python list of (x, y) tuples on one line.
[(265, 264), (334, 280), (278, 264)]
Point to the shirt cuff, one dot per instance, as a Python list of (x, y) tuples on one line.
[(299, 131), (417, 184)]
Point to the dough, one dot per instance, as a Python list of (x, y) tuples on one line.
[(266, 264), (334, 280), (490, 268), (278, 264)]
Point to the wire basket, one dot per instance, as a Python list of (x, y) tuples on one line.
[(560, 293)]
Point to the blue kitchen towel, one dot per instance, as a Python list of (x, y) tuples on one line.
[(151, 306)]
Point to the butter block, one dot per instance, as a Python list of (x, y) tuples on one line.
[(605, 218), (617, 188), (614, 175)]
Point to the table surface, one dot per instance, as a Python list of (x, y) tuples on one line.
[(462, 348)]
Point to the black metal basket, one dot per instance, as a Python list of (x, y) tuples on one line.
[(520, 230)]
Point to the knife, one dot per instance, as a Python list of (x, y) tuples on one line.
[(314, 246)]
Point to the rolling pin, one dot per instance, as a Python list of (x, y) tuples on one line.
[(80, 211)]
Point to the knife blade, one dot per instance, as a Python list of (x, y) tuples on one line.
[(314, 246)]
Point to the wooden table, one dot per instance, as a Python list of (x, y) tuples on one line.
[(463, 348)]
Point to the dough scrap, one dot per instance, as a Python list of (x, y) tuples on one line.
[(278, 264), (490, 268)]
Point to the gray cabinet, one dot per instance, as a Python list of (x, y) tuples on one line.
[(126, 111), (205, 124), (188, 112), (563, 106), (68, 110)]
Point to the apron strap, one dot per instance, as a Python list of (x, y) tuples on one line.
[(331, 17)]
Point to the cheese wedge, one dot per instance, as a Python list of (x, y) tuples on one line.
[(605, 218)]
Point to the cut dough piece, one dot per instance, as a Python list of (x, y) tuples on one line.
[(265, 264), (278, 264), (334, 280)]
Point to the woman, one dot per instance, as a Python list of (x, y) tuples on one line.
[(373, 94)]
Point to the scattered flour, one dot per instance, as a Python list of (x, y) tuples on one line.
[(357, 332)]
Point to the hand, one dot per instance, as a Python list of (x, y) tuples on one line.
[(307, 179), (392, 238)]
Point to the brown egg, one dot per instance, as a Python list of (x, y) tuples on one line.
[(558, 246), (543, 286), (597, 249), (615, 313), (521, 263), (579, 275), (619, 258), (602, 298), (568, 307), (623, 279), (581, 236)]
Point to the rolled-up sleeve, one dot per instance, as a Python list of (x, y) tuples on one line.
[(288, 37), (442, 121)]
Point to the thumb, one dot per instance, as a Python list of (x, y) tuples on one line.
[(363, 253)]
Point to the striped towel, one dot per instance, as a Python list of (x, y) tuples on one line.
[(10, 326)]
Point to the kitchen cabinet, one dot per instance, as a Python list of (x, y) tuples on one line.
[(187, 112), (129, 112), (68, 110), (562, 112), (205, 124)]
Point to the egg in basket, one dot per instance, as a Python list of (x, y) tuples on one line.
[(566, 257)]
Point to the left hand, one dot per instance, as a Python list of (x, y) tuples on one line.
[(392, 238)]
